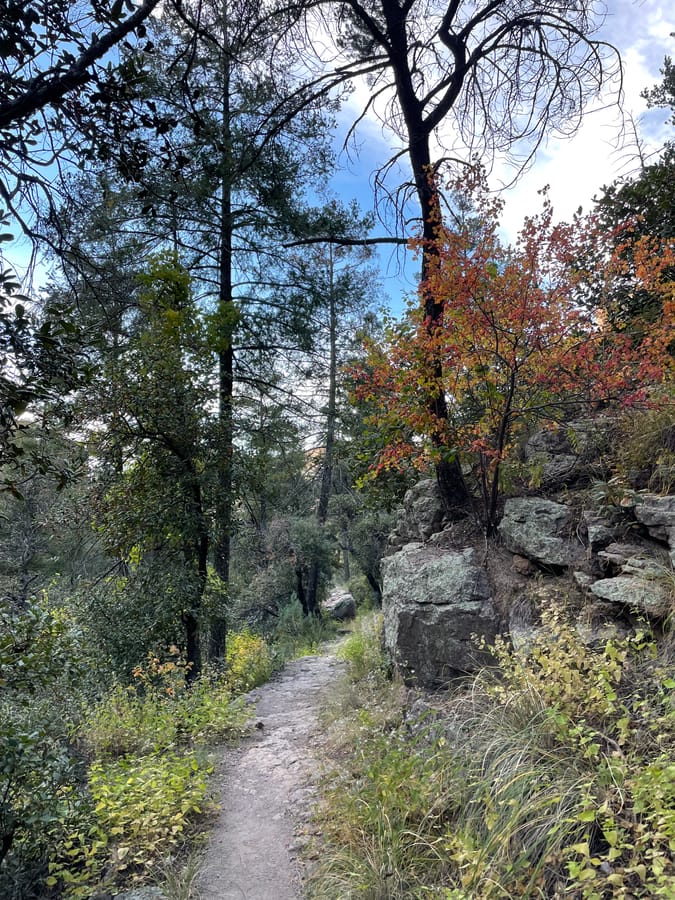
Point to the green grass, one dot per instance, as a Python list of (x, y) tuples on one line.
[(550, 775)]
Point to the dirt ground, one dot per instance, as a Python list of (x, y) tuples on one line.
[(266, 787)]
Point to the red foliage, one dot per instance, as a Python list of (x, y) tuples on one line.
[(519, 340)]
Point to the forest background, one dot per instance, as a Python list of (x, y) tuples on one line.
[(181, 456)]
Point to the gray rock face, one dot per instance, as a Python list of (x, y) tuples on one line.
[(540, 530), (553, 450), (433, 602), (421, 516), (658, 514), (340, 605), (615, 556), (647, 595), (563, 452), (600, 530)]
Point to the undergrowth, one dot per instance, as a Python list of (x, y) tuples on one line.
[(298, 635), (550, 775), (124, 789)]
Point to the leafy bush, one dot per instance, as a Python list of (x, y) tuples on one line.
[(362, 651), (361, 591), (39, 662), (300, 635), (160, 712), (140, 810), (248, 661)]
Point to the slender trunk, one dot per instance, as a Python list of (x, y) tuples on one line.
[(226, 318), (331, 415), (196, 554), (502, 437), (346, 544)]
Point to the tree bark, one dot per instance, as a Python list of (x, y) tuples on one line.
[(313, 607), (226, 319)]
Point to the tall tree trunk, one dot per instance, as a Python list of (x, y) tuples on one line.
[(451, 482), (331, 415), (226, 320), (196, 554)]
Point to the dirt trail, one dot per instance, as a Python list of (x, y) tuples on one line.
[(267, 787)]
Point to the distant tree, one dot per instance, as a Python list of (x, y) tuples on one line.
[(639, 206), (338, 288)]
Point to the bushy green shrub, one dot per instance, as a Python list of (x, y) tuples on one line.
[(248, 661), (159, 711), (361, 591), (39, 664), (299, 635), (140, 808), (363, 651)]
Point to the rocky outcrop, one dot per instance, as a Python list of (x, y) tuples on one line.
[(434, 602), (562, 454), (421, 516), (540, 530)]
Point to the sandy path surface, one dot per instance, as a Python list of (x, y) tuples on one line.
[(267, 788)]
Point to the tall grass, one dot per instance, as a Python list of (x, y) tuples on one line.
[(550, 775)]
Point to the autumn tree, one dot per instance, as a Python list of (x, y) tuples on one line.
[(518, 346), (460, 79)]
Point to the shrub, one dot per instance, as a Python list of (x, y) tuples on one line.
[(300, 635), (125, 723), (39, 663), (645, 446), (159, 711), (248, 661), (362, 651), (140, 810)]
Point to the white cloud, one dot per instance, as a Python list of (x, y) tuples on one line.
[(604, 148)]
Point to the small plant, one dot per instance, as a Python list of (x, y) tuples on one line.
[(248, 661), (362, 651), (140, 810), (299, 635)]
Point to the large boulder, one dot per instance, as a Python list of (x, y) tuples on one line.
[(540, 530), (340, 605), (434, 602), (421, 515)]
